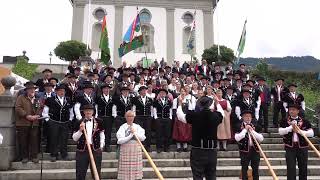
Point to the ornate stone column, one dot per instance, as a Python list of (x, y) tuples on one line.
[(117, 34), (208, 27), (7, 126), (170, 35), (77, 22)]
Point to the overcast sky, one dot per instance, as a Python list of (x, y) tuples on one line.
[(274, 28)]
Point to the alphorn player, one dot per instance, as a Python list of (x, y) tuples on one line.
[(203, 156), (295, 145), (130, 159), (96, 138), (248, 149)]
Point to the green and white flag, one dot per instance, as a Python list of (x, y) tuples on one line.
[(104, 43), (191, 40), (242, 42)]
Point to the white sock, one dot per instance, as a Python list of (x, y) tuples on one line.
[(218, 144), (224, 144), (178, 145), (185, 145)]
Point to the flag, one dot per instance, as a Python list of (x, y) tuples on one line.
[(104, 43), (191, 40), (133, 38), (242, 40)]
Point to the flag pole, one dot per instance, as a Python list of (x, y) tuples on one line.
[(88, 25), (217, 29)]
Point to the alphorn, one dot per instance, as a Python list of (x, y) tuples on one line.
[(264, 156), (156, 170), (92, 162), (307, 139)]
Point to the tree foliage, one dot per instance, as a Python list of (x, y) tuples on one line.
[(211, 54), (24, 69), (70, 50)]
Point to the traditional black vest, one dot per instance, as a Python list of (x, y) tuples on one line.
[(242, 103), (104, 106), (244, 144), (163, 110), (97, 128), (143, 109), (83, 100), (123, 107), (71, 93), (57, 111), (291, 100), (288, 138)]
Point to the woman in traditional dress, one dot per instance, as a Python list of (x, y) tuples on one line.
[(130, 159), (224, 129), (182, 131)]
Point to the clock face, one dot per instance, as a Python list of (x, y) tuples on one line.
[(187, 18), (99, 14)]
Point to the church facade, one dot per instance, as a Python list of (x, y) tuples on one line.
[(166, 27)]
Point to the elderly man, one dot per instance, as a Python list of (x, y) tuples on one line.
[(130, 159), (27, 109)]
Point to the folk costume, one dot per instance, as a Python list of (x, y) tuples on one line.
[(130, 159)]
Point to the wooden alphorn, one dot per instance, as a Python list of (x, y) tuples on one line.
[(92, 162), (156, 170), (264, 156), (307, 139)]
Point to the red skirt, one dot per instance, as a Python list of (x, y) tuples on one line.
[(182, 132)]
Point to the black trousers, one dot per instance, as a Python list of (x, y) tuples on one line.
[(28, 141), (252, 157), (297, 154), (83, 161), (119, 121), (163, 131), (59, 133), (203, 163), (145, 123), (263, 115), (277, 108), (107, 125)]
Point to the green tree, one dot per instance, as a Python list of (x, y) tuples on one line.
[(24, 69), (211, 54), (70, 50)]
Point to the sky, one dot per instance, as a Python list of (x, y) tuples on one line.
[(275, 28)]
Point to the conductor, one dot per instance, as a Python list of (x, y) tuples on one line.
[(203, 156)]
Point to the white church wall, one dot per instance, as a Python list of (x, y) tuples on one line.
[(179, 25), (110, 10), (160, 25)]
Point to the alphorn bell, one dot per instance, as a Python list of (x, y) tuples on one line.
[(92, 162), (156, 170), (264, 156), (307, 139)]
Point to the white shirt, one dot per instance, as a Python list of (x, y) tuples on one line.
[(124, 133), (88, 97), (144, 99), (1, 138), (293, 94), (106, 97), (284, 131), (279, 92), (89, 129), (239, 136), (61, 99), (125, 99)]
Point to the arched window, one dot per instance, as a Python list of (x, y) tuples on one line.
[(99, 13), (95, 39), (147, 30)]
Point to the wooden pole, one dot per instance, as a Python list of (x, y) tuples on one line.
[(93, 164), (156, 170), (264, 157), (307, 139)]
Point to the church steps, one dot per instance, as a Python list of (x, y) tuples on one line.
[(113, 163), (168, 172)]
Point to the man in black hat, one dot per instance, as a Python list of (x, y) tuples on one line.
[(295, 145), (265, 99), (142, 106), (47, 73), (248, 148), (292, 97), (58, 113), (105, 104), (87, 97), (123, 104), (246, 102), (94, 129), (27, 109), (72, 87), (162, 111), (277, 96), (203, 156)]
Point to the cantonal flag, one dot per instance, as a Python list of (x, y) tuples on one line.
[(104, 43)]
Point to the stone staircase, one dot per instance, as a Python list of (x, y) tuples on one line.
[(172, 165)]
